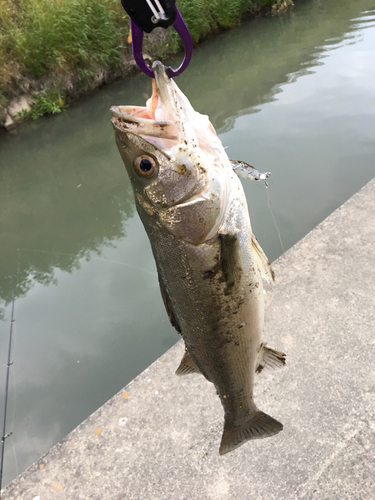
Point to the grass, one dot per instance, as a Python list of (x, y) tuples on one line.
[(204, 16), (46, 103), (40, 38), (58, 35), (6, 66), (55, 39)]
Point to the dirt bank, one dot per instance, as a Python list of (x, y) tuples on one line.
[(34, 86)]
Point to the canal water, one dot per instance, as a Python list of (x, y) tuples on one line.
[(293, 94)]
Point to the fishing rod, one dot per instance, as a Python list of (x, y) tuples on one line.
[(9, 364)]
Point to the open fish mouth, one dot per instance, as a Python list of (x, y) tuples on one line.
[(159, 122), (168, 121), (139, 120)]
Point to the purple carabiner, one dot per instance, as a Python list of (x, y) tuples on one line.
[(137, 39)]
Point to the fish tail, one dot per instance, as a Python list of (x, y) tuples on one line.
[(259, 426)]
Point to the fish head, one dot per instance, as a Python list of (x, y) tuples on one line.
[(175, 161)]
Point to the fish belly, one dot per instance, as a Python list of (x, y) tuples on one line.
[(214, 296)]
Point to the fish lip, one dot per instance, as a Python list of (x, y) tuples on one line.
[(126, 117), (162, 80), (116, 113), (125, 123)]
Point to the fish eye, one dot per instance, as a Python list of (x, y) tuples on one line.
[(145, 166)]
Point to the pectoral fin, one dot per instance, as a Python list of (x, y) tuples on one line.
[(229, 258), (262, 261), (259, 426), (187, 365), (269, 358)]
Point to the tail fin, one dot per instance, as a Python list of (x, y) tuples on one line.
[(260, 426), (187, 365)]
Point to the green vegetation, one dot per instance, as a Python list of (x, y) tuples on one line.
[(205, 16), (58, 35), (5, 60), (65, 43), (56, 38), (49, 102)]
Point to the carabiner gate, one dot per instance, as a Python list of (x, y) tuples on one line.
[(137, 41)]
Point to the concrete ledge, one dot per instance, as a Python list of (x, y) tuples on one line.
[(158, 438)]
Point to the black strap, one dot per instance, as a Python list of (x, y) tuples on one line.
[(150, 14)]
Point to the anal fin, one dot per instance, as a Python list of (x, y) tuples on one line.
[(187, 365), (269, 358), (259, 426)]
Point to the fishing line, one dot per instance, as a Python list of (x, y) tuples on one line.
[(12, 420), (273, 217), (9, 364), (103, 259)]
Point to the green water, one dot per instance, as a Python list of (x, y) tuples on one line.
[(293, 94)]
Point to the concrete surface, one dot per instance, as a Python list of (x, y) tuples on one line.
[(158, 439)]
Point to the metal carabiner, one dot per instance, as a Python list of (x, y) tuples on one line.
[(137, 40)]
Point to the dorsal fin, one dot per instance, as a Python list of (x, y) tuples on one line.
[(261, 260)]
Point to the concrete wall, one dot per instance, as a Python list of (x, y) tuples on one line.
[(158, 438)]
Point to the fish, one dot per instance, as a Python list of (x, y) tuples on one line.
[(209, 263)]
